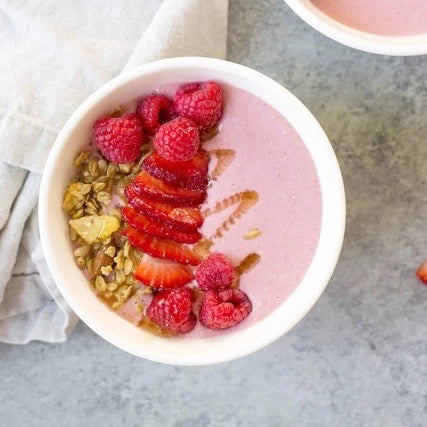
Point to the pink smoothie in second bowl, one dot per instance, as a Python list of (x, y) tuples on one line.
[(268, 158), (382, 17)]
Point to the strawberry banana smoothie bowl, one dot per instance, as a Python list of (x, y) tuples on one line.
[(196, 209), (381, 17)]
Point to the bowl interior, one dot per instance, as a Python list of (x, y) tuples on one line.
[(384, 45), (57, 247)]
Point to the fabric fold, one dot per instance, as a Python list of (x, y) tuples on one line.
[(189, 27)]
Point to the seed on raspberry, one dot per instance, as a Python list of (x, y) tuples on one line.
[(224, 309), (170, 309), (119, 139), (177, 140), (154, 110), (201, 102), (215, 272)]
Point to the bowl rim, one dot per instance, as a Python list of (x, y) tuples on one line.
[(233, 344), (361, 40)]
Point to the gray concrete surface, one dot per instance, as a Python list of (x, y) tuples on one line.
[(359, 357)]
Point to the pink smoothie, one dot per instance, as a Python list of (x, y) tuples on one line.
[(383, 17), (271, 159)]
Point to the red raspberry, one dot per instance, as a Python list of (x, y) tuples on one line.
[(215, 272), (422, 273), (119, 139), (201, 102), (224, 309), (171, 310), (177, 140), (153, 111)]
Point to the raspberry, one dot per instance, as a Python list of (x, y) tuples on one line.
[(224, 309), (119, 139), (201, 102), (171, 310), (153, 111), (177, 140), (215, 272), (422, 273)]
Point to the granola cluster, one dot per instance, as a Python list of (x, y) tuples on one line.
[(95, 226)]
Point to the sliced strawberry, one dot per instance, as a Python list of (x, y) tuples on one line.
[(155, 189), (183, 219), (144, 223), (192, 174), (159, 248), (161, 273), (422, 273)]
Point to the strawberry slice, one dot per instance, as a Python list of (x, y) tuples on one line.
[(160, 273), (183, 219), (155, 189), (159, 248), (144, 223), (192, 174), (422, 273)]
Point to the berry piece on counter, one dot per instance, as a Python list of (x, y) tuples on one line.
[(170, 309), (160, 273), (183, 219), (177, 140), (160, 248), (422, 273), (144, 223), (155, 189), (224, 309), (154, 110), (119, 139), (192, 174), (201, 102), (215, 272)]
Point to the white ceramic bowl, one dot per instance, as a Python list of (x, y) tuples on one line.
[(384, 45), (57, 247)]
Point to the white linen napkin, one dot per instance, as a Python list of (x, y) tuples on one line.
[(52, 56)]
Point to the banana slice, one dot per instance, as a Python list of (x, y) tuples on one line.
[(95, 228)]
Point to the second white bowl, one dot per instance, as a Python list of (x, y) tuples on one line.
[(384, 45)]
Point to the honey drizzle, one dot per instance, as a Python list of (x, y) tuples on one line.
[(246, 264), (224, 159), (244, 200)]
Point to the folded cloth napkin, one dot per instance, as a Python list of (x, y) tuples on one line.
[(52, 56)]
